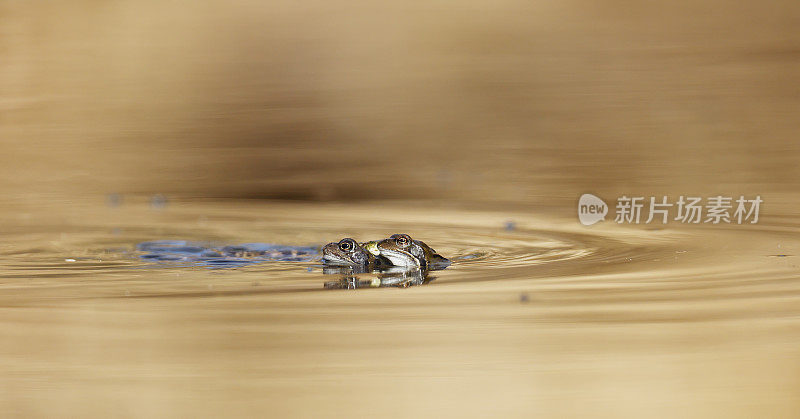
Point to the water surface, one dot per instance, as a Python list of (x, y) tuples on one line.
[(524, 316)]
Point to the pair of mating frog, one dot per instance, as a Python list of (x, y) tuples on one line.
[(398, 250)]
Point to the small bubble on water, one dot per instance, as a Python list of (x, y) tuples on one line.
[(114, 200), (70, 260), (158, 201)]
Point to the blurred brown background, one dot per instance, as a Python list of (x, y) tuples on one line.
[(505, 105), (510, 100)]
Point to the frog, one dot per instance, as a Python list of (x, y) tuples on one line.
[(348, 252), (402, 250)]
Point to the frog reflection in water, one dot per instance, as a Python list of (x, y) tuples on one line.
[(393, 276)]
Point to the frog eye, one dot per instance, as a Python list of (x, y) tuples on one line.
[(401, 241), (347, 245)]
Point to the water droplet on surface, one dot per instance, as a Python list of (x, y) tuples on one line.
[(114, 200), (158, 201)]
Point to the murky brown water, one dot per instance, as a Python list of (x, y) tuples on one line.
[(472, 127), (548, 317)]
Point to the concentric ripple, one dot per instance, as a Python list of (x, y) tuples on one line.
[(275, 248)]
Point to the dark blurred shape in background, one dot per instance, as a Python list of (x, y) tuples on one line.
[(512, 100)]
